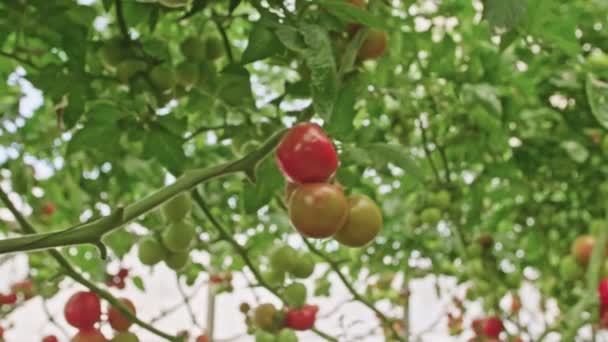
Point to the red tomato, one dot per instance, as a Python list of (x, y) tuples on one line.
[(83, 310), (216, 278), (202, 338), (602, 290), (492, 326), (50, 338), (8, 299), (122, 273), (49, 208), (117, 320), (477, 325), (306, 154), (89, 335), (301, 319)]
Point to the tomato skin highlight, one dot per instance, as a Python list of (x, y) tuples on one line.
[(83, 310), (306, 154), (301, 319), (117, 320), (318, 210)]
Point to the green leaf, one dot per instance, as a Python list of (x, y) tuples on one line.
[(350, 13), (262, 44), (100, 140), (119, 241), (504, 14), (268, 181), (484, 93), (340, 123), (138, 282), (597, 96), (320, 60), (290, 38), (382, 154), (235, 86), (165, 147)]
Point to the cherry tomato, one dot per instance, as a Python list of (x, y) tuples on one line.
[(89, 335), (8, 299), (363, 222), (301, 319), (25, 288), (374, 45), (83, 310), (202, 338), (117, 320), (492, 326), (582, 248), (123, 273), (602, 290), (48, 208), (50, 338), (318, 210), (477, 325), (306, 154)]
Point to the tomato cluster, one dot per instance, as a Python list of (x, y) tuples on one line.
[(22, 290), (271, 324), (317, 205), (83, 311), (117, 280), (173, 244)]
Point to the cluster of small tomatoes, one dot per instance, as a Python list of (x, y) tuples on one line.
[(317, 205)]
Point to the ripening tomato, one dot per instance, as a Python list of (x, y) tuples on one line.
[(202, 338), (117, 320), (301, 319), (48, 208), (89, 335), (8, 299), (602, 290), (492, 326), (122, 273), (83, 310), (582, 248), (477, 325), (374, 45), (306, 154), (50, 338), (363, 222), (318, 210), (125, 336), (25, 288)]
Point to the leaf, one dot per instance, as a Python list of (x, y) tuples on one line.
[(262, 43), (346, 11), (320, 60), (597, 96), (233, 5), (119, 241), (235, 86), (268, 181), (102, 140), (290, 38), (138, 282), (382, 154), (166, 148), (504, 14), (484, 93), (341, 121)]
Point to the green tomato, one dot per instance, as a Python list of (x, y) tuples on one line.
[(177, 261), (162, 78), (187, 74), (287, 335), (274, 278), (111, 53), (430, 216), (283, 259), (304, 266), (213, 47), (442, 199), (568, 268), (151, 251), (264, 336), (598, 61), (176, 209), (125, 336), (178, 237), (193, 48), (128, 68), (295, 295)]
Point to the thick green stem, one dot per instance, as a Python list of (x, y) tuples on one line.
[(92, 232)]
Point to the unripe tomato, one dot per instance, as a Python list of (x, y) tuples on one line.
[(178, 237), (111, 53), (188, 74), (274, 277), (177, 261), (363, 222), (301, 319), (126, 69), (283, 259), (492, 326), (442, 199), (602, 290), (162, 77), (213, 48), (306, 154), (582, 248), (430, 216), (176, 209), (193, 48), (287, 335), (264, 316), (264, 336), (374, 45), (89, 335), (117, 320), (8, 299), (83, 310), (50, 338), (304, 266), (318, 210), (125, 336), (568, 267), (295, 295), (151, 251)]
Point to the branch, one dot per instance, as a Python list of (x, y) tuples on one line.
[(122, 24), (243, 253), (225, 39), (19, 59), (72, 273), (92, 232)]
